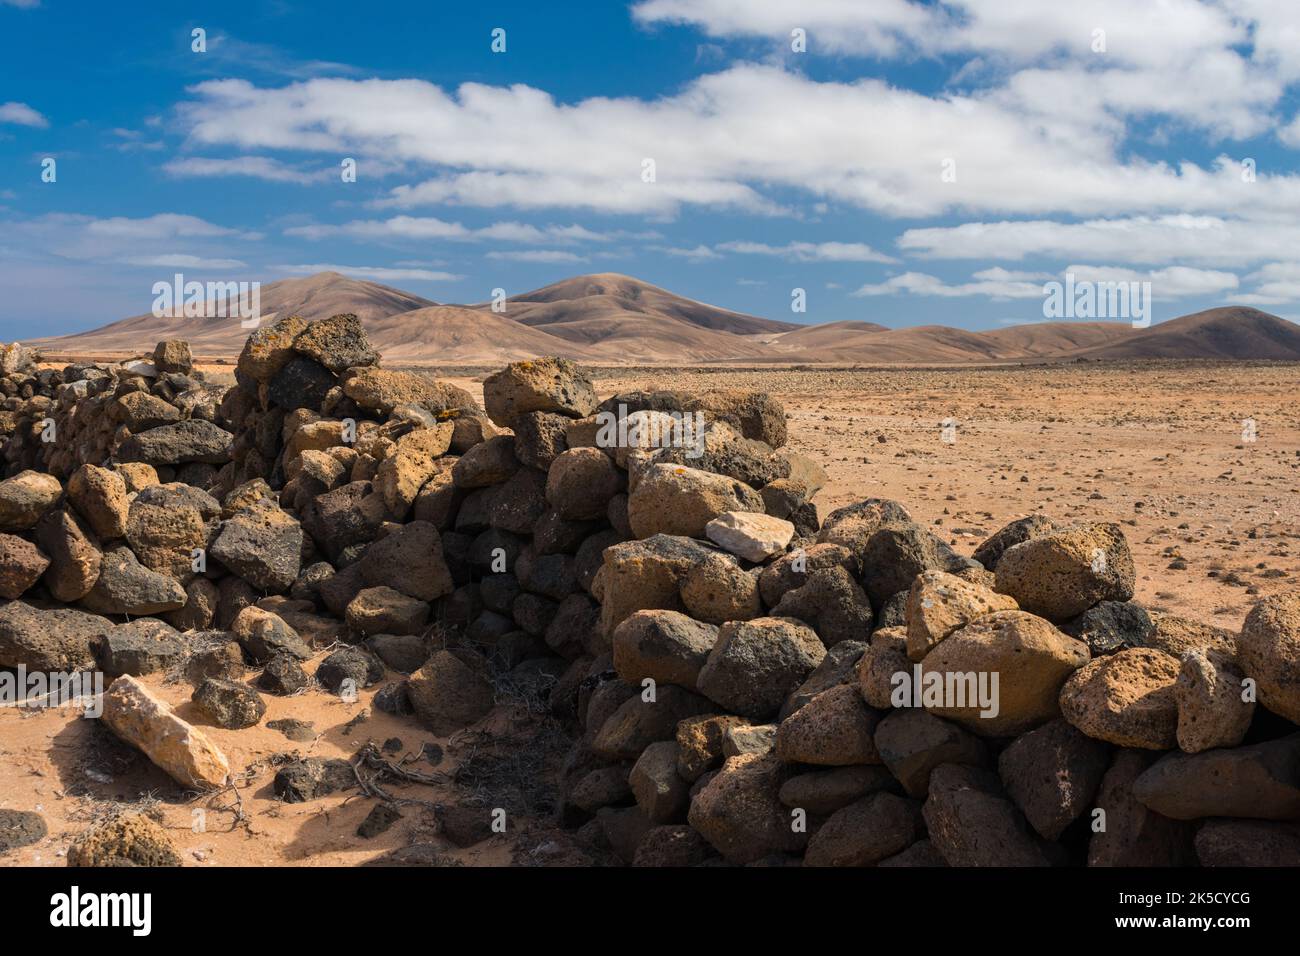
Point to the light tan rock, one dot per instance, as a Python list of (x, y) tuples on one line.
[(876, 668), (750, 534), (1126, 698), (99, 495), (940, 603), (25, 497), (137, 474), (581, 482), (415, 460), (539, 385), (182, 750), (382, 390), (270, 348), (125, 839), (1211, 709), (1030, 658), (16, 357), (644, 430), (1063, 573), (673, 499), (1269, 651), (312, 436), (717, 590), (1177, 635)]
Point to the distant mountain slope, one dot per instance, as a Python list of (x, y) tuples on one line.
[(1037, 339), (635, 335), (1230, 332), (848, 334), (314, 297), (633, 321), (867, 342), (1233, 332), (931, 343), (614, 319), (617, 292), (452, 333)]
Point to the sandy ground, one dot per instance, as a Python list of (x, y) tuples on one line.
[(1158, 448), (73, 771)]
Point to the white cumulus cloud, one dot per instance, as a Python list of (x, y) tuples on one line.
[(20, 114)]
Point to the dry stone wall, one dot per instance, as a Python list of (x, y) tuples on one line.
[(744, 682)]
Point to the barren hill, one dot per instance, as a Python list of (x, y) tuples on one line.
[(1038, 339), (314, 297), (1230, 332), (453, 333), (633, 321), (930, 343), (611, 289), (835, 335), (610, 318), (866, 342), (1226, 333)]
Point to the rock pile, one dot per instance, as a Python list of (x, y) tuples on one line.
[(156, 411), (745, 683)]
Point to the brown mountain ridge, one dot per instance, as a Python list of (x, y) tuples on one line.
[(615, 319)]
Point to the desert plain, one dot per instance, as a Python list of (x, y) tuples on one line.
[(1198, 461)]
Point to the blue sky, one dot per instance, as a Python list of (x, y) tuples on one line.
[(916, 163)]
